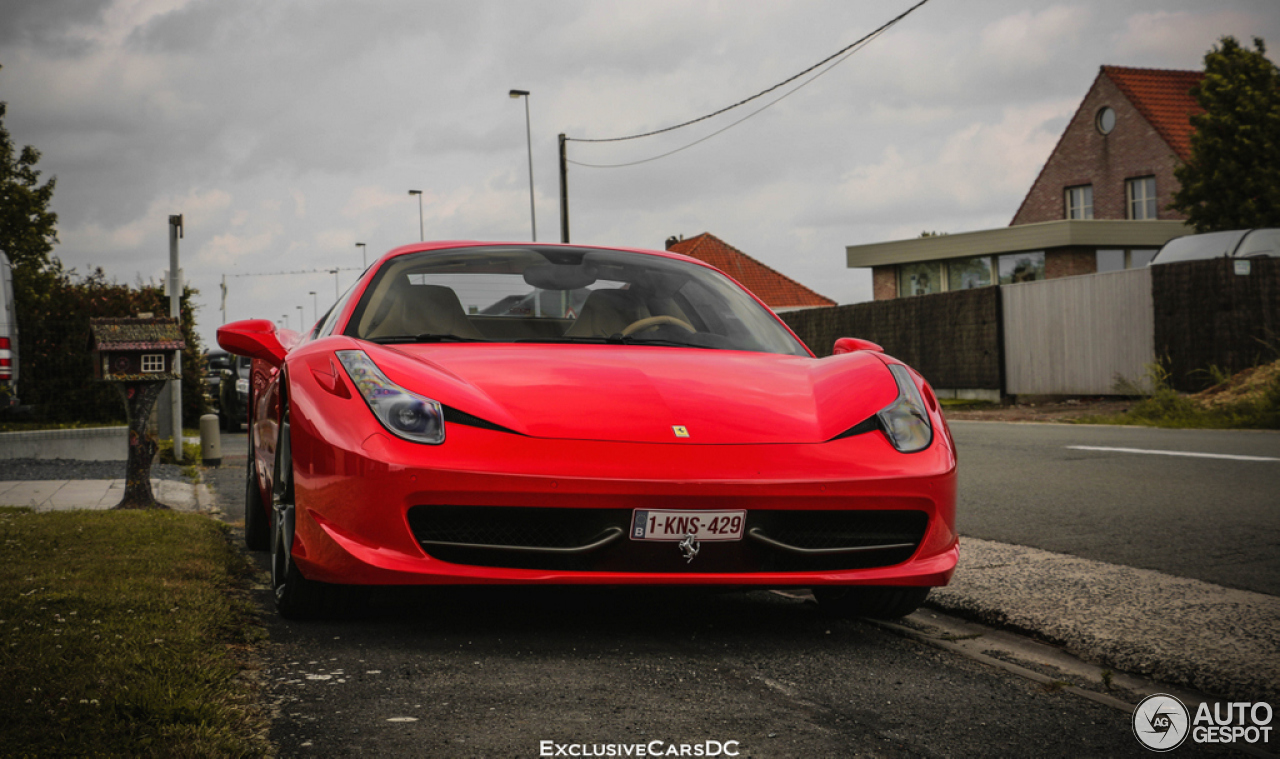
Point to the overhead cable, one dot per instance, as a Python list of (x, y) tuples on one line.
[(845, 51)]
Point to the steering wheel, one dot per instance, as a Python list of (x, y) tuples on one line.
[(650, 322)]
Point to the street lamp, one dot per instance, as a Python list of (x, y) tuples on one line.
[(285, 318), (422, 236), (362, 246), (315, 305), (528, 133), (301, 319)]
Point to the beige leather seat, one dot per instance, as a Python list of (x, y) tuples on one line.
[(606, 313), (424, 309)]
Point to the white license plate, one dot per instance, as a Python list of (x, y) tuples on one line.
[(677, 525)]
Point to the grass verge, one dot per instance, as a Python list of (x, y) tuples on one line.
[(125, 633)]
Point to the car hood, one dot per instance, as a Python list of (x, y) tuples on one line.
[(641, 394)]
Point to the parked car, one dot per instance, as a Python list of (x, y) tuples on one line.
[(214, 364), (8, 337), (672, 432), (1237, 243), (227, 381)]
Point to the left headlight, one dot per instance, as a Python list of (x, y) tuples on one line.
[(906, 421), (406, 414)]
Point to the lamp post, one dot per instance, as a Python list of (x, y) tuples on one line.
[(528, 133), (302, 324), (315, 305), (284, 318), (361, 246), (422, 236)]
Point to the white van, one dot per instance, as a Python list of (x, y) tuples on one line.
[(1237, 243), (8, 337)]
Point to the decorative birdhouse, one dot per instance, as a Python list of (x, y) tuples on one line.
[(134, 350)]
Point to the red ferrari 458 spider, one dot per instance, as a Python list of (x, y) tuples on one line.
[(517, 413)]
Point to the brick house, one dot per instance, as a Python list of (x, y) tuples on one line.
[(1100, 203), (778, 291)]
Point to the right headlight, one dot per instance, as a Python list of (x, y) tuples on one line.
[(404, 413), (906, 421)]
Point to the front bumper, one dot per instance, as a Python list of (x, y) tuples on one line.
[(360, 508)]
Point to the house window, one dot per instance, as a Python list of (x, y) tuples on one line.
[(920, 279), (1119, 260), (1105, 121), (1021, 267), (1142, 197), (1080, 202), (152, 363), (967, 273)]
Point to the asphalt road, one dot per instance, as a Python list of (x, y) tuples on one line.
[(1211, 519), (492, 672)]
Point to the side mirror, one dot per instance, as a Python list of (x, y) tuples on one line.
[(851, 344), (255, 338)]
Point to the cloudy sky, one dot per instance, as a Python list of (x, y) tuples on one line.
[(285, 132)]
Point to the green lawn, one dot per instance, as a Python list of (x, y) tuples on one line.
[(125, 633)]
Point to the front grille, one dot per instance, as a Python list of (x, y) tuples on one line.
[(579, 540)]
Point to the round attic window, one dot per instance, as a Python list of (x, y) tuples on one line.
[(1106, 120)]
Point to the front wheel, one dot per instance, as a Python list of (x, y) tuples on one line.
[(872, 601), (296, 596)]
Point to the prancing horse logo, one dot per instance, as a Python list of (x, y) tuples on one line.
[(689, 547)]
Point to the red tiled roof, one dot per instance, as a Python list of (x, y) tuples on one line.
[(775, 289), (1163, 97)]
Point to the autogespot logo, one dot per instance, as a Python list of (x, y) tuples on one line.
[(1160, 722)]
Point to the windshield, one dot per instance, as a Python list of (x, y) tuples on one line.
[(547, 294)]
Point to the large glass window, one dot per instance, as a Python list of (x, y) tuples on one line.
[(1110, 260), (1142, 197), (1140, 258), (920, 279), (1119, 260), (968, 273), (1021, 267), (1079, 202)]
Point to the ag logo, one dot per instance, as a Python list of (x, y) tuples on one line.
[(1161, 722)]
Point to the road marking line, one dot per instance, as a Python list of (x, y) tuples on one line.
[(1173, 453)]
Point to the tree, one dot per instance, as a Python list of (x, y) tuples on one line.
[(28, 229), (1232, 180)]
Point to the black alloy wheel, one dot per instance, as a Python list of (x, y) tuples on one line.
[(296, 596)]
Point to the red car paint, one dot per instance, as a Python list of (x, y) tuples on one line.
[(589, 427)]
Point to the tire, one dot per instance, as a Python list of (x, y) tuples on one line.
[(874, 602), (257, 522), (296, 597)]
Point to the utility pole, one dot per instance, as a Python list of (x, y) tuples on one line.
[(564, 191), (175, 311)]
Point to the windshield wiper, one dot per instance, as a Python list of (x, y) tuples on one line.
[(426, 337)]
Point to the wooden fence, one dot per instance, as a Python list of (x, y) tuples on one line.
[(1085, 335)]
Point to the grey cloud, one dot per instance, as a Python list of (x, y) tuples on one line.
[(49, 23)]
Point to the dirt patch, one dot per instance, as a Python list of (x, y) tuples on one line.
[(1248, 385)]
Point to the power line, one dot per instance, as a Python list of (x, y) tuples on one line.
[(726, 128), (848, 49)]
